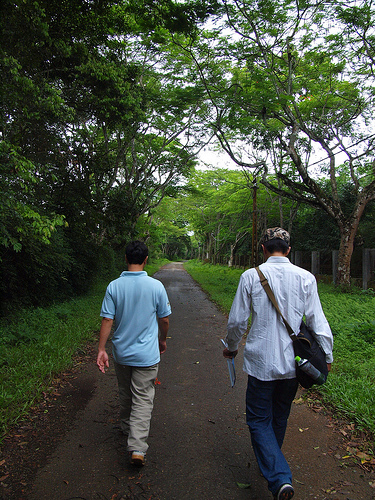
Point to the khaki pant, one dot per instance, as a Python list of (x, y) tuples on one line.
[(136, 393)]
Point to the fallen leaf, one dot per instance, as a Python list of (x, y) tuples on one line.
[(298, 401), (330, 490), (3, 478), (363, 456), (243, 485)]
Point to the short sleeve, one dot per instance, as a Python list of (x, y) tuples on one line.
[(108, 309)]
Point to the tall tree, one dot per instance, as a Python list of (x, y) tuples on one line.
[(87, 143), (287, 103), (73, 81)]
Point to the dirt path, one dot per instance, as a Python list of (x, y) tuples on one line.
[(199, 443)]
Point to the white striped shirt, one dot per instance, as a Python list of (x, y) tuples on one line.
[(269, 353)]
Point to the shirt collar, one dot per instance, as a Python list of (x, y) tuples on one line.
[(133, 273), (278, 260)]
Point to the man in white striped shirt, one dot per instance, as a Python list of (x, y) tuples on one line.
[(269, 355)]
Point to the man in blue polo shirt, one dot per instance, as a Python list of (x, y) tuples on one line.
[(139, 308)]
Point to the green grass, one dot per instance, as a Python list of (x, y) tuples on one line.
[(41, 343), (38, 344), (350, 389)]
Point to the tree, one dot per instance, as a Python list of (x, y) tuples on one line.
[(286, 103), (86, 143), (218, 206), (167, 230), (94, 81)]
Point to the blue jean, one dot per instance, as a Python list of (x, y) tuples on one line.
[(268, 405)]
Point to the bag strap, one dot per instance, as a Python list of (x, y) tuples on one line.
[(272, 298)]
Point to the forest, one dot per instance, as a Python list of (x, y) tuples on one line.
[(107, 109)]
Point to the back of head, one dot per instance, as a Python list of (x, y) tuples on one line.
[(136, 252), (276, 239), (276, 245)]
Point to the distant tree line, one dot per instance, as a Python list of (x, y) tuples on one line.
[(217, 209)]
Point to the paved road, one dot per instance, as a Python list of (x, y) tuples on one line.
[(199, 442)]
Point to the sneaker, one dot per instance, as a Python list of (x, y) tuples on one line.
[(285, 492), (137, 458)]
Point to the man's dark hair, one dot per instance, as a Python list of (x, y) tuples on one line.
[(136, 252), (276, 245)]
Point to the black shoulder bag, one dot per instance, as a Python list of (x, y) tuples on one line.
[(304, 343)]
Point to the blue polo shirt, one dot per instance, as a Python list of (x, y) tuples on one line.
[(135, 301)]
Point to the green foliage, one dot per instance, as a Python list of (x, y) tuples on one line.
[(350, 385), (39, 275), (20, 220), (94, 132), (218, 205), (37, 345), (288, 105), (218, 208)]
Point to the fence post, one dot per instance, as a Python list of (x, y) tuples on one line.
[(366, 267), (315, 262), (297, 258), (372, 263), (335, 258)]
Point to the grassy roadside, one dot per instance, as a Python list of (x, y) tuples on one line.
[(350, 387), (40, 343)]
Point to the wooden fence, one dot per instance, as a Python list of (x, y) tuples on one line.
[(324, 265)]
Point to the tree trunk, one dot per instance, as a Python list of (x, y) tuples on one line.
[(348, 231), (234, 246), (345, 257), (209, 245), (231, 258)]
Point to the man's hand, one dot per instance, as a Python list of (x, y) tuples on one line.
[(105, 331), (163, 331), (329, 366), (162, 346), (229, 354), (102, 361)]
